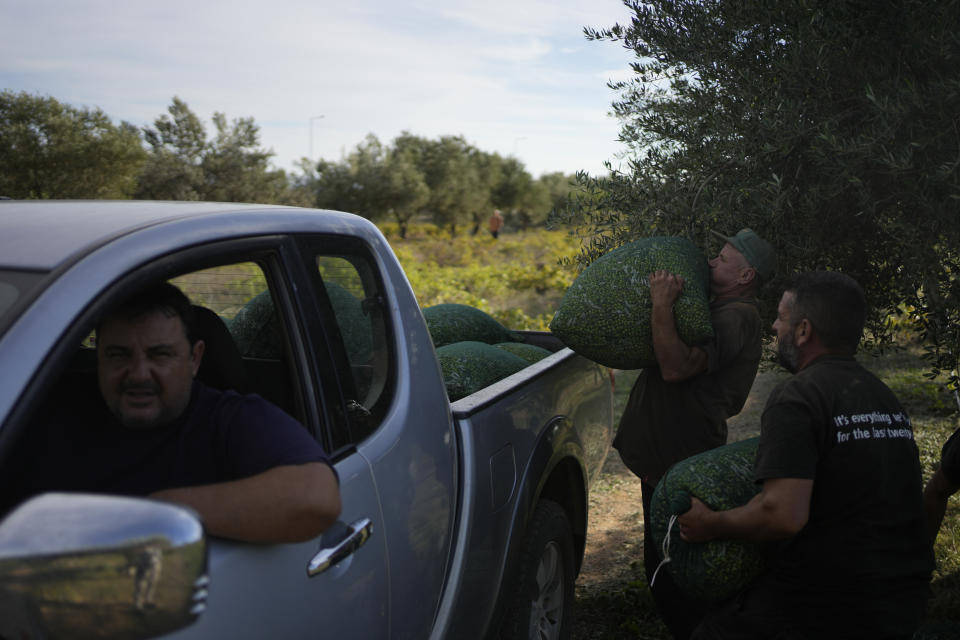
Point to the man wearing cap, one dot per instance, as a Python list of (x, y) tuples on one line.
[(679, 408)]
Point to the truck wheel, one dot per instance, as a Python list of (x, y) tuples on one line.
[(539, 606)]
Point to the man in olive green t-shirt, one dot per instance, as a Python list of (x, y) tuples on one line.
[(679, 408)]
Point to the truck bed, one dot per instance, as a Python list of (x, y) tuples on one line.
[(536, 423)]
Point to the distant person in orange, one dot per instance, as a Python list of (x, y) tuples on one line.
[(496, 223)]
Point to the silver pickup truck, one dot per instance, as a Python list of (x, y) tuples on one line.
[(459, 520)]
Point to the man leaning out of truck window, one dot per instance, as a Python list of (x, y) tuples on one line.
[(250, 471)]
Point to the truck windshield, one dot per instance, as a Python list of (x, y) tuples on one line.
[(15, 286)]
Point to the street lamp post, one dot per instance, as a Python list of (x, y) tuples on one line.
[(311, 134)]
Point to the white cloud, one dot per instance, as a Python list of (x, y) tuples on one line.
[(517, 52), (511, 76)]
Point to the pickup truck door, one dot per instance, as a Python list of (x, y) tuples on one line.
[(337, 585), (266, 592), (398, 417), (374, 395)]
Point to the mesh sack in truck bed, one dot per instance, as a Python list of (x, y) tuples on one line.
[(449, 323), (469, 366)]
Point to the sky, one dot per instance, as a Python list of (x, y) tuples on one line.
[(514, 77)]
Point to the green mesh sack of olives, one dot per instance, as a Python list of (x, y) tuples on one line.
[(721, 478), (449, 323), (529, 352), (469, 366), (605, 314)]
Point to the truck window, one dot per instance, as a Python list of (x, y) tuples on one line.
[(352, 290), (236, 316), (239, 295)]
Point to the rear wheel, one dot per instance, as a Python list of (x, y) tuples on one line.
[(539, 606)]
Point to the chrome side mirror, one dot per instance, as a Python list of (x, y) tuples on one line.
[(88, 566)]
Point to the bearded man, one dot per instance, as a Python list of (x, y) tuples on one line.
[(840, 489)]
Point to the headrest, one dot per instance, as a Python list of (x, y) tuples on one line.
[(222, 366)]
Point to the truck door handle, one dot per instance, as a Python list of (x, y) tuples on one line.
[(357, 535)]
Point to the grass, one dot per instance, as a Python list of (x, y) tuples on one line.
[(517, 278)]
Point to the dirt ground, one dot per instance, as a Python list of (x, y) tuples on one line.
[(615, 531)]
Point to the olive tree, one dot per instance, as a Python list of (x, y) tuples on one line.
[(404, 188), (236, 168), (455, 181), (183, 164), (53, 150), (828, 126)]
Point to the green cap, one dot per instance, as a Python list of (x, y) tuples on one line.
[(755, 249)]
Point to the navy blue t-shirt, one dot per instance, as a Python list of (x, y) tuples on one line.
[(862, 562), (221, 436)]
